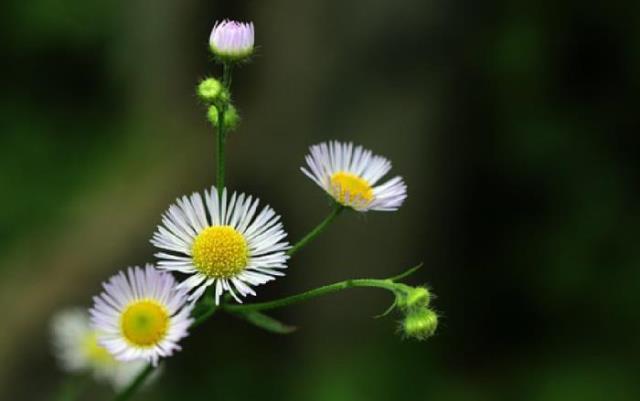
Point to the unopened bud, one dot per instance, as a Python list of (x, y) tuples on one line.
[(420, 323), (210, 90), (414, 297), (232, 41), (231, 117)]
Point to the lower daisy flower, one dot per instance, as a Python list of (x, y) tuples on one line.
[(141, 315), (349, 175), (221, 242), (77, 350)]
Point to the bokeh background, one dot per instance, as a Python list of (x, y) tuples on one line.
[(514, 123)]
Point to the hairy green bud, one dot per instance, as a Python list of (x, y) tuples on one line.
[(414, 297), (210, 90), (420, 323), (231, 117)]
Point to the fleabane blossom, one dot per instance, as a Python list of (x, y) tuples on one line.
[(222, 242), (349, 175), (141, 315), (77, 350), (231, 40)]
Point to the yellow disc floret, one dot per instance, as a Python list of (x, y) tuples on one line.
[(351, 190), (95, 352), (144, 323), (220, 252)]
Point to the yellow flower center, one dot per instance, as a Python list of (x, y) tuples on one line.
[(144, 323), (349, 186), (95, 352), (220, 252)]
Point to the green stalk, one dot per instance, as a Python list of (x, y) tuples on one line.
[(221, 134), (316, 292), (144, 374), (135, 384), (337, 209)]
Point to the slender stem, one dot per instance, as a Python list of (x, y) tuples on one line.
[(337, 209), (226, 75), (220, 152), (144, 374), (316, 292), (71, 389), (221, 134), (135, 384), (204, 316)]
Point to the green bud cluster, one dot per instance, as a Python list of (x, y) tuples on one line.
[(231, 117), (419, 321), (214, 94)]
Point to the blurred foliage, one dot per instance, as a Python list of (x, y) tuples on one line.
[(514, 123)]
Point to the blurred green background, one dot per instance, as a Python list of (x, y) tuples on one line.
[(514, 124)]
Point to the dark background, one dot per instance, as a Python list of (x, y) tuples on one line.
[(514, 124)]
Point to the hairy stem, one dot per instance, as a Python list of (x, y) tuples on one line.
[(316, 292), (221, 134), (337, 209)]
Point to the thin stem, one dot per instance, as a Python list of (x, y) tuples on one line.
[(203, 317), (226, 75), (337, 209), (221, 134), (135, 384), (316, 292), (144, 374), (71, 389), (220, 155)]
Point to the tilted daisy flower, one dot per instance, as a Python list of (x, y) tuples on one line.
[(77, 349), (141, 315), (232, 40), (224, 243), (350, 175)]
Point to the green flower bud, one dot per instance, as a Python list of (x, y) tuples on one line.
[(231, 117), (415, 297), (210, 90), (420, 323)]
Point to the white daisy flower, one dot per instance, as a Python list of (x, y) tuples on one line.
[(221, 243), (349, 175), (77, 350), (141, 315), (232, 40)]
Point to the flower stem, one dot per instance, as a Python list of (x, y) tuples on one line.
[(144, 374), (337, 209), (135, 384), (72, 389), (204, 316), (316, 292), (221, 134)]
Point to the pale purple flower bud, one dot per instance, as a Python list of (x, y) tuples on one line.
[(232, 40)]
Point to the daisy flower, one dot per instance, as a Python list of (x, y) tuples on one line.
[(141, 315), (350, 175), (77, 349), (221, 242), (232, 40)]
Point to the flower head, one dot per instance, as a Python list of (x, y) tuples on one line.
[(77, 349), (222, 242), (350, 175), (141, 315), (232, 40)]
